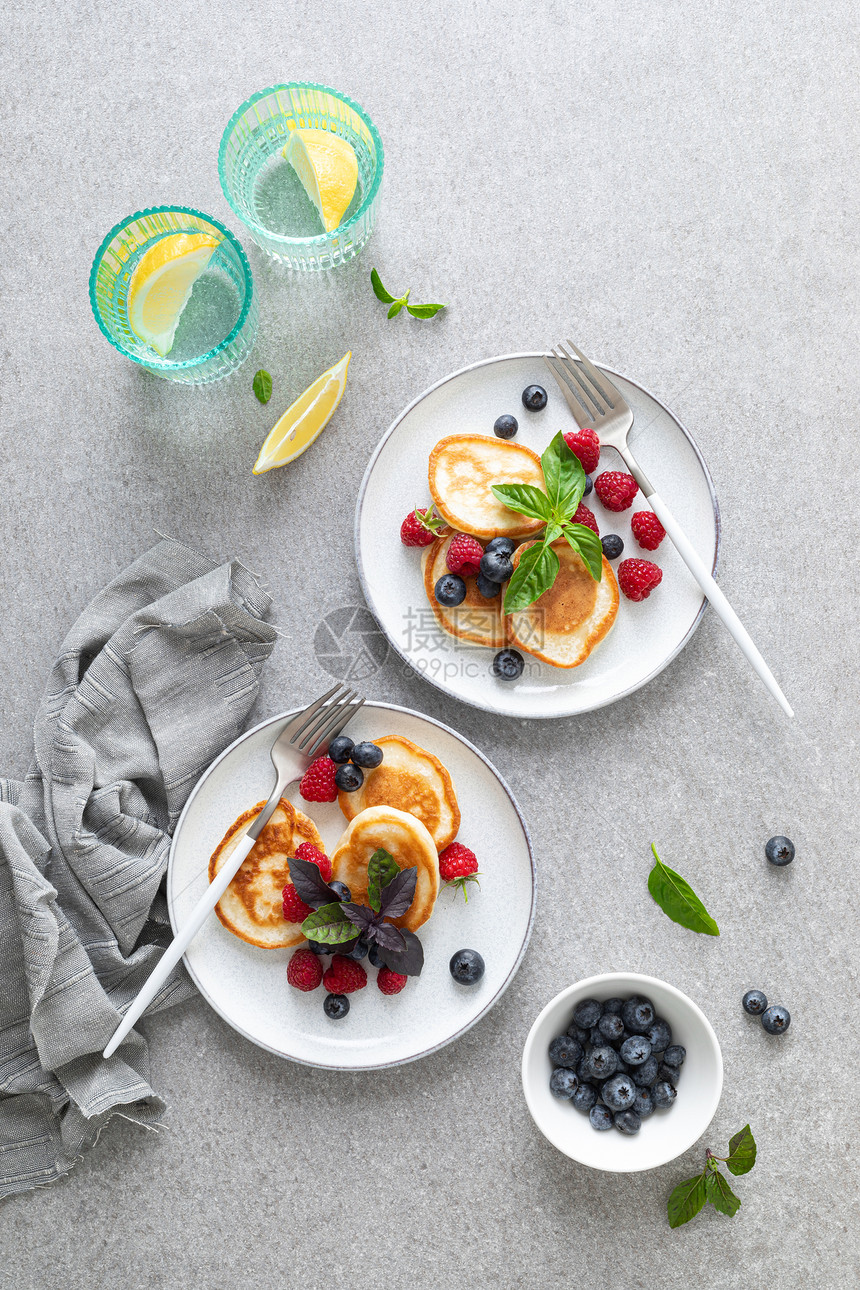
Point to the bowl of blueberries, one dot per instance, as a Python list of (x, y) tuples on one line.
[(622, 1072)]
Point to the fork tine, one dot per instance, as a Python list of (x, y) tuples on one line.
[(594, 376), (321, 721), (575, 369), (349, 710), (583, 411), (301, 719)]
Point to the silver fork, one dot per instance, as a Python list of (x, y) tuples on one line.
[(595, 402), (301, 739)]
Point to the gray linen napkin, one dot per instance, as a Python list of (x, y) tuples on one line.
[(155, 678)]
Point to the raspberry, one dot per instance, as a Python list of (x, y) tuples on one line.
[(295, 909), (313, 855), (420, 528), (390, 982), (464, 555), (344, 976), (585, 445), (647, 529), (638, 578), (304, 970), (458, 866), (615, 489), (317, 783), (585, 516)]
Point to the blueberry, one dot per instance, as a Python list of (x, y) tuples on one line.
[(660, 1035), (340, 749), (367, 755), (584, 1097), (565, 1051), (450, 590), (358, 951), (317, 947), (755, 1002), (500, 545), (602, 1062), (644, 1104), (583, 1071), (776, 1019), (612, 546), (589, 484), (600, 1117), (627, 1122), (664, 1093), (342, 892), (611, 1027), (674, 1055), (779, 850), (375, 957), (563, 1083), (645, 1075), (636, 1050), (587, 1013), (505, 427), (466, 967), (613, 1006), (508, 664), (336, 1006), (496, 566), (489, 590), (578, 1032), (534, 398), (619, 1092), (349, 778), (638, 1015), (668, 1073), (596, 1039), (622, 1067)]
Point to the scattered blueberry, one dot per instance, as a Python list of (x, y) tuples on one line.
[(317, 947), (638, 1015), (644, 1104), (636, 1050), (367, 755), (358, 951), (505, 427), (584, 1097), (645, 1075), (618, 1093), (779, 850), (587, 1013), (488, 589), (336, 1006), (508, 664), (613, 1006), (340, 749), (627, 1122), (466, 967), (375, 957), (450, 590), (342, 892), (612, 546), (502, 545), (600, 1117), (602, 1062), (675, 1055), (755, 1002), (660, 1035), (563, 1083), (565, 1051), (589, 484), (664, 1093), (611, 1027), (776, 1019), (349, 778), (534, 398), (496, 566)]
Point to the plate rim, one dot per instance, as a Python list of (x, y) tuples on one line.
[(511, 712), (491, 1003)]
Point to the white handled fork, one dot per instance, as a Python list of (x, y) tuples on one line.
[(301, 739), (595, 402)]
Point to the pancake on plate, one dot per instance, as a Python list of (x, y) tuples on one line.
[(476, 619), (564, 625), (252, 906), (463, 469), (406, 839), (410, 779)]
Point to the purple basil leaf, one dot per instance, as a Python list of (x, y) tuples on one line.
[(309, 883), (389, 937), (360, 915), (408, 962), (397, 895)]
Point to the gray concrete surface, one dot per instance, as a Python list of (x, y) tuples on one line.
[(675, 185)]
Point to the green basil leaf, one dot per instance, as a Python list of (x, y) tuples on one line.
[(424, 311), (720, 1194), (526, 499), (677, 899), (330, 925), (262, 385), (742, 1152), (686, 1200), (564, 478), (534, 574), (378, 289), (381, 870), (586, 543), (552, 532)]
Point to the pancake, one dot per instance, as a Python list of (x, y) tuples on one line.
[(476, 619), (252, 906), (405, 838), (463, 469), (412, 780), (564, 625)]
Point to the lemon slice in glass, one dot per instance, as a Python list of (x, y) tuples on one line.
[(161, 285), (327, 166), (305, 419)]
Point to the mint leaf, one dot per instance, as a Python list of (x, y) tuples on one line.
[(382, 868), (564, 478), (397, 306), (329, 925), (586, 543), (424, 311), (686, 1200), (262, 385), (742, 1152), (720, 1194), (379, 290), (535, 573), (526, 499), (676, 897)]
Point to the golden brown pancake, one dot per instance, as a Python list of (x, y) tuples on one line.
[(410, 779), (463, 469), (252, 906), (405, 838), (564, 625), (476, 619)]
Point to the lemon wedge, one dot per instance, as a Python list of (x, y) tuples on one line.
[(327, 166), (305, 419), (161, 285)]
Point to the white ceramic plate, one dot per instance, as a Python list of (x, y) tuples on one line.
[(248, 986), (646, 636)]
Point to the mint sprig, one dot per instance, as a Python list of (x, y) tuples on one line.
[(711, 1186), (677, 899), (262, 385), (398, 302), (538, 566)]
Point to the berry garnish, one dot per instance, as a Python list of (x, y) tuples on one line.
[(340, 749), (647, 529), (349, 778), (344, 976), (464, 555), (357, 950), (505, 427), (336, 1006), (638, 578), (420, 528), (341, 890), (317, 783), (779, 851), (317, 947), (450, 590), (496, 566), (375, 956), (612, 546), (776, 1019), (585, 516), (585, 445), (367, 755), (505, 545), (458, 866), (390, 982), (616, 489), (488, 589), (304, 970), (589, 485), (295, 909), (534, 398), (313, 855), (466, 967), (755, 1002), (508, 665)]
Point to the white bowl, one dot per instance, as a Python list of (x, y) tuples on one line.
[(667, 1133)]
